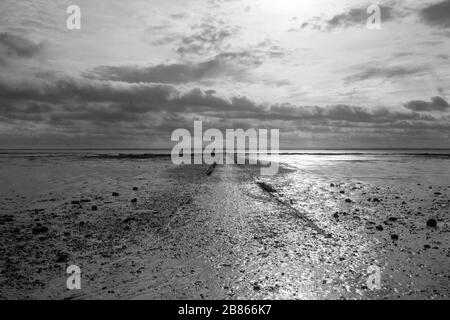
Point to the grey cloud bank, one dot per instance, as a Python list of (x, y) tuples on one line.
[(132, 86)]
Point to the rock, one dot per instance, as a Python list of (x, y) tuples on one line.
[(394, 237), (342, 192), (379, 228), (348, 200), (431, 223), (39, 229), (127, 220), (135, 188), (7, 218), (332, 185), (336, 215), (256, 287), (211, 169), (134, 200), (266, 187), (62, 256), (392, 219), (75, 202), (94, 208), (426, 246), (376, 200), (115, 194), (437, 193)]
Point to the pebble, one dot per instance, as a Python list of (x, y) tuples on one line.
[(431, 223), (62, 256)]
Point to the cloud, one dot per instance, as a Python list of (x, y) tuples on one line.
[(341, 113), (178, 16), (436, 104), (437, 15), (350, 18), (357, 16), (208, 37), (232, 64), (15, 46), (69, 95), (385, 72), (48, 103), (81, 98)]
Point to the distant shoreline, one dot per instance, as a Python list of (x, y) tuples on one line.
[(168, 149)]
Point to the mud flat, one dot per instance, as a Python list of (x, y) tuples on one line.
[(158, 231)]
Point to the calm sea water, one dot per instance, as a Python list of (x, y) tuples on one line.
[(374, 166), (33, 174)]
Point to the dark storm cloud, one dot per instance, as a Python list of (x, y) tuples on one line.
[(437, 15), (385, 72), (15, 46), (436, 104), (224, 64)]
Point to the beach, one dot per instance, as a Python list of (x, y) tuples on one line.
[(140, 227)]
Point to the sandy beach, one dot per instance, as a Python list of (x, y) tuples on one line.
[(152, 230)]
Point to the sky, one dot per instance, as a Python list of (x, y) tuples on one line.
[(137, 70)]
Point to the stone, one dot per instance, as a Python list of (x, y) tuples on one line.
[(39, 229), (62, 256), (431, 223)]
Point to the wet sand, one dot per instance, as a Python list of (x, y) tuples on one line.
[(190, 235)]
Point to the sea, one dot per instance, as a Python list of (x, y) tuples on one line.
[(30, 175)]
